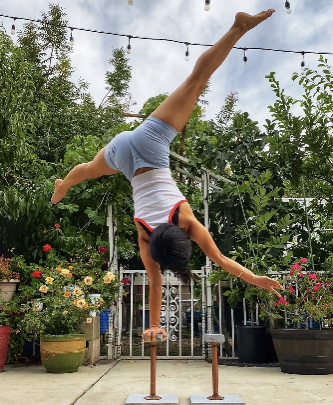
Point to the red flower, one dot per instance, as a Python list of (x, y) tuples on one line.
[(57, 226), (292, 289), (283, 301), (275, 303), (37, 274), (301, 275), (313, 276), (47, 248), (102, 249), (315, 288), (291, 272), (126, 281), (304, 260)]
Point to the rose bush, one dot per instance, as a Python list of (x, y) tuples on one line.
[(55, 296), (307, 295)]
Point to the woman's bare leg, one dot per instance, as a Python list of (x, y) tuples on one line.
[(178, 107), (96, 168)]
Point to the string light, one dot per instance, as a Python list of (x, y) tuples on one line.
[(287, 6), (303, 61), (71, 39), (129, 48), (13, 28), (207, 5), (245, 58), (187, 53), (168, 40), (130, 2)]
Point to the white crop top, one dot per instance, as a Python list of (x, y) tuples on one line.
[(156, 197)]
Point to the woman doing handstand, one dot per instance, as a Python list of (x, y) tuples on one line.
[(164, 220)]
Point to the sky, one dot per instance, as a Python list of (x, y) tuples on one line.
[(160, 67)]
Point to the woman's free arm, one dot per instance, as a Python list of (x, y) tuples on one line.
[(199, 234)]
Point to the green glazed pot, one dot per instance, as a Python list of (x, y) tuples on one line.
[(62, 353)]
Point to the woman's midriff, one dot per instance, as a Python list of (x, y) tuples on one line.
[(143, 170)]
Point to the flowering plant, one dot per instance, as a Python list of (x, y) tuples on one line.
[(307, 295), (56, 299), (6, 274)]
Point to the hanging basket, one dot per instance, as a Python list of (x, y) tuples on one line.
[(4, 340)]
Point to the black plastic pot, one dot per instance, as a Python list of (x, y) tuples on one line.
[(255, 345), (302, 351)]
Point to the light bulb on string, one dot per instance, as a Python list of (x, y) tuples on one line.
[(13, 28), (187, 53), (245, 58), (303, 61), (130, 2), (207, 5), (71, 39), (129, 48), (287, 6)]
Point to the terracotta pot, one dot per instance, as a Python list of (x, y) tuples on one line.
[(62, 353), (4, 340)]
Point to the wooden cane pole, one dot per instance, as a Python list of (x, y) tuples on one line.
[(215, 372)]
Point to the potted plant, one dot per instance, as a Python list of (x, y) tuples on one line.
[(64, 306), (8, 279), (5, 329), (303, 320)]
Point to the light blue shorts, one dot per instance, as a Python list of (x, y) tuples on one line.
[(147, 146)]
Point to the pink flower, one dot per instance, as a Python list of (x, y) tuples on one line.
[(301, 275), (304, 260), (296, 266), (47, 248), (315, 288), (275, 303), (304, 299), (291, 272), (283, 301), (313, 276), (292, 289), (57, 226), (318, 284)]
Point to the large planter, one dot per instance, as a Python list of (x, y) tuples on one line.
[(254, 345), (302, 351), (8, 289), (4, 340), (62, 353)]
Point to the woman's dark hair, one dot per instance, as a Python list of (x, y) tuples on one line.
[(171, 248)]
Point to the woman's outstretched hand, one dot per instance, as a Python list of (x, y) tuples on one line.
[(268, 284), (149, 335)]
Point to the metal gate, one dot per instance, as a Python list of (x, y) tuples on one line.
[(187, 313)]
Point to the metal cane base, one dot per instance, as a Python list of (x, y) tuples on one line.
[(227, 400), (137, 399)]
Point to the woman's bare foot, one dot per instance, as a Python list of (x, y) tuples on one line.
[(59, 192), (247, 21)]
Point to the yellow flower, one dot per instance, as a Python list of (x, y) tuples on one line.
[(64, 272), (77, 291), (107, 279), (43, 288), (65, 312), (49, 280), (81, 303), (89, 320), (88, 280), (110, 275)]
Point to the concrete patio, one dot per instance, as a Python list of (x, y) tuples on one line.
[(112, 382)]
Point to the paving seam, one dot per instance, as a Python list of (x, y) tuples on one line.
[(93, 384)]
